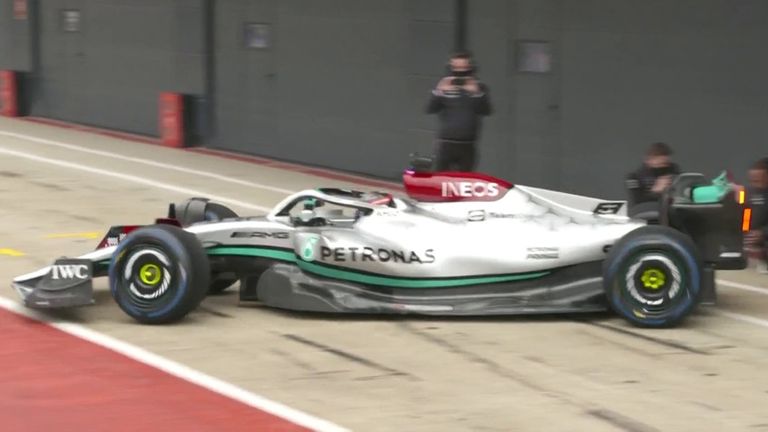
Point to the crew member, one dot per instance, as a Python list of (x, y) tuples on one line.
[(648, 182), (757, 195)]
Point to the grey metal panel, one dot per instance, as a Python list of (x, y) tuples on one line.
[(626, 73), (429, 41), (682, 72), (346, 73), (15, 39), (345, 82), (244, 85), (111, 73), (441, 11)]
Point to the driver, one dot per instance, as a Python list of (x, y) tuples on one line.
[(308, 214)]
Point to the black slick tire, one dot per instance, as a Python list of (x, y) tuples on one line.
[(159, 274)]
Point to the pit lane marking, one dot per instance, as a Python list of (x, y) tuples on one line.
[(147, 162), (743, 318), (11, 252), (82, 235), (178, 370), (133, 179), (743, 287)]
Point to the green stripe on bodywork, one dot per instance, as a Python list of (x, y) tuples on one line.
[(281, 255), (412, 283), (353, 276)]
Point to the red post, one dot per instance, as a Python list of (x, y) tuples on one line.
[(20, 9), (172, 119), (9, 105)]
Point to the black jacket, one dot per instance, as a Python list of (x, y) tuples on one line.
[(460, 114), (640, 182), (758, 202)]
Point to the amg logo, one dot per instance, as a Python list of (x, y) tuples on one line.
[(69, 271), (469, 189), (260, 234)]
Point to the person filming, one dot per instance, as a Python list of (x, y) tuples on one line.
[(460, 101)]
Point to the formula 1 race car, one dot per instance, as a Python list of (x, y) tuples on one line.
[(459, 244)]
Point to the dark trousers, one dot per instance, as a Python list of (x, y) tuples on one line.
[(455, 156)]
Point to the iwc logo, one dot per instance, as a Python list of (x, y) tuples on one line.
[(308, 249)]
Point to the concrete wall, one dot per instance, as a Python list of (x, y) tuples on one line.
[(343, 85), (111, 73), (689, 72), (626, 73), (15, 39), (345, 82)]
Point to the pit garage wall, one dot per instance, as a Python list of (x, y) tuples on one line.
[(15, 39), (625, 73), (344, 82), (111, 71)]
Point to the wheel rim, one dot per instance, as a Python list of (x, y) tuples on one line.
[(147, 277), (655, 283), (150, 274)]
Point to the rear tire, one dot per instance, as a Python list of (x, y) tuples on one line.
[(159, 274), (652, 277)]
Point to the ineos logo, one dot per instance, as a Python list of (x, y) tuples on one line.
[(70, 271), (470, 189)]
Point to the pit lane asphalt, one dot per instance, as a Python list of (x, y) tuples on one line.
[(574, 373)]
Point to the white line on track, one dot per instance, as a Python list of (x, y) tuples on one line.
[(133, 179), (147, 162), (737, 316), (179, 370), (743, 318), (743, 287)]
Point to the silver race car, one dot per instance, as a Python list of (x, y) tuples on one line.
[(458, 244)]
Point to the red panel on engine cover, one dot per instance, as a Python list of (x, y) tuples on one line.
[(452, 186), (116, 234)]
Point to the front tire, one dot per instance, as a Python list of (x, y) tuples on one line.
[(652, 277), (159, 274)]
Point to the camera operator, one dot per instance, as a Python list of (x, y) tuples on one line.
[(460, 101)]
